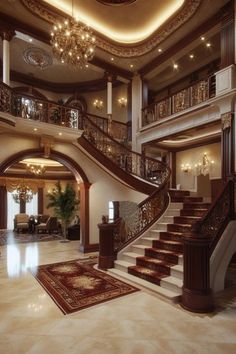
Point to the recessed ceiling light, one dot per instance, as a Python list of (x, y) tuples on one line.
[(112, 59), (35, 129), (159, 50), (60, 133), (208, 44), (191, 56), (30, 40), (86, 65), (203, 38), (175, 66), (131, 65)]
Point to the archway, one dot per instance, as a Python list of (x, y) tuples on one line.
[(80, 177)]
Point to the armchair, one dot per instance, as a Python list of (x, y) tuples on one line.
[(50, 225), (21, 222)]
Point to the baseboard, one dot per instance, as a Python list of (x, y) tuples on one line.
[(92, 247)]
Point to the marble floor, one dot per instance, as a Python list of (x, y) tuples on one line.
[(140, 323)]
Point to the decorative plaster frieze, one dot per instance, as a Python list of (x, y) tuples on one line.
[(41, 9)]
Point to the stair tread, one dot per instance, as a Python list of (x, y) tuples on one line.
[(131, 254), (155, 261), (185, 225), (150, 238), (163, 292), (174, 233), (173, 280), (140, 246), (152, 273), (123, 263), (163, 251), (170, 242), (178, 267)]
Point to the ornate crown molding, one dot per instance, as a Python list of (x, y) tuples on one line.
[(115, 2), (51, 15)]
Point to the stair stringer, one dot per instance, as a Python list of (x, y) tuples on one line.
[(221, 257)]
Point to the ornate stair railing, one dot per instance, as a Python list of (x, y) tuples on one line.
[(46, 111), (117, 235), (198, 247), (178, 102), (133, 163)]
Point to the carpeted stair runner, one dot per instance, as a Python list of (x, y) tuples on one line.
[(157, 257)]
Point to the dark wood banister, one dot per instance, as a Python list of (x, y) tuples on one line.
[(198, 248), (117, 143)]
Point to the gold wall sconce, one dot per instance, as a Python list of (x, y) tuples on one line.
[(122, 101), (98, 104)]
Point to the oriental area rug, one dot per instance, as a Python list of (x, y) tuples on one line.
[(10, 237), (76, 285)]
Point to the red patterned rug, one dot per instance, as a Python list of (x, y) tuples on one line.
[(75, 285)]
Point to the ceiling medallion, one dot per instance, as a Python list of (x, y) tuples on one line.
[(37, 57), (124, 50), (116, 2)]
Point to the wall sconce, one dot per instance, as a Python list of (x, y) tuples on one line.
[(98, 104), (122, 102), (186, 168), (204, 167)]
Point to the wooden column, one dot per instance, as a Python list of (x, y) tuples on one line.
[(227, 145), (129, 111), (3, 203), (106, 246), (227, 35), (84, 217), (40, 200), (197, 295), (173, 169), (22, 206)]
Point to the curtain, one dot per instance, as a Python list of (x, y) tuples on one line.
[(13, 208)]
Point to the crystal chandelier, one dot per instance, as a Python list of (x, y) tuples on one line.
[(22, 193), (73, 43), (37, 170)]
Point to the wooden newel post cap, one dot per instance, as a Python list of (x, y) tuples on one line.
[(106, 245)]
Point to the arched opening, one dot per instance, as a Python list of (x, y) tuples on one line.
[(79, 176)]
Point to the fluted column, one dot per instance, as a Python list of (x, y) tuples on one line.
[(6, 36)]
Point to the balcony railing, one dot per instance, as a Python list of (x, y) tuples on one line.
[(28, 107), (178, 102)]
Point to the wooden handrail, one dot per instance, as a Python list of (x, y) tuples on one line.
[(198, 248)]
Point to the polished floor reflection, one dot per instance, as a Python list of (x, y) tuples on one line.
[(139, 323)]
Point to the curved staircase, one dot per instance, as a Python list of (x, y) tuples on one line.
[(155, 260)]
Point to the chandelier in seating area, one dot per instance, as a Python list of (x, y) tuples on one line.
[(37, 170), (22, 193), (73, 42)]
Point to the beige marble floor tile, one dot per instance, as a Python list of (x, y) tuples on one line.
[(139, 323)]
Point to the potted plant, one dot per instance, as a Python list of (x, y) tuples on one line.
[(65, 205)]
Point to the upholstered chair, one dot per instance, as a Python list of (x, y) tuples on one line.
[(21, 222), (51, 225)]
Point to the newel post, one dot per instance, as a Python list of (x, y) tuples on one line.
[(197, 295), (106, 245)]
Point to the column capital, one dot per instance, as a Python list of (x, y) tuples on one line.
[(7, 34), (110, 77), (226, 120)]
